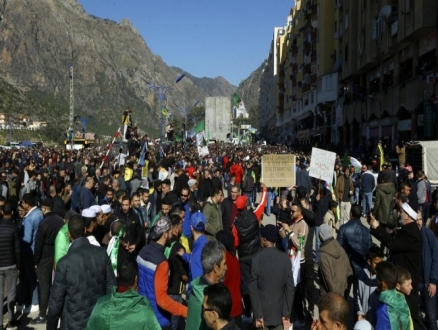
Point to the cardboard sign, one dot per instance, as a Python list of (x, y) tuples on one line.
[(203, 151), (322, 164), (278, 170)]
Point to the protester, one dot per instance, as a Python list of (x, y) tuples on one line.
[(216, 308), (81, 278), (214, 266), (124, 307)]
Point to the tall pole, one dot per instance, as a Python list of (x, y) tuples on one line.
[(161, 91), (72, 111)]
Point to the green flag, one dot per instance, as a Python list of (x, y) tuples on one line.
[(236, 99)]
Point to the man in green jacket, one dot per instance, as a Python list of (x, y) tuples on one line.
[(214, 267), (213, 213), (62, 241), (124, 307)]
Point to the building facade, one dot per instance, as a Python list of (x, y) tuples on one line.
[(352, 72)]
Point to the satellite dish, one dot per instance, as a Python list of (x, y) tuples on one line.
[(385, 12)]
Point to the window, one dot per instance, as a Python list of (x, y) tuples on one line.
[(329, 82), (346, 22), (312, 98)]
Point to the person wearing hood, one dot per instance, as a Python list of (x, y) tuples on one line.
[(334, 266), (385, 193), (247, 240), (124, 307), (213, 213)]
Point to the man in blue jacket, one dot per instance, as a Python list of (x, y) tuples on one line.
[(428, 274), (356, 240), (198, 224)]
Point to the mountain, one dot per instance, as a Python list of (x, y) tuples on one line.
[(249, 92), (249, 88), (112, 64), (218, 86)]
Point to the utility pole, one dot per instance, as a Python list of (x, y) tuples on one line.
[(72, 111)]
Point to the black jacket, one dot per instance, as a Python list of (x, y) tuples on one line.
[(134, 229), (48, 228), (205, 189), (405, 248), (248, 183), (10, 244), (177, 268), (82, 277), (182, 182), (355, 238), (226, 207), (247, 228), (59, 206)]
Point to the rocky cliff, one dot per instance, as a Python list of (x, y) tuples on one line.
[(249, 88), (112, 64), (218, 86)]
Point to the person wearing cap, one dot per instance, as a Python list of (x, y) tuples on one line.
[(62, 242), (47, 231), (214, 268), (154, 274), (89, 216), (334, 268), (134, 229), (405, 248), (198, 225), (271, 300), (81, 278)]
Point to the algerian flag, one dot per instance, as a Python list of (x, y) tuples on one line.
[(236, 99)]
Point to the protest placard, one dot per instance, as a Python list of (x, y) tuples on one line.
[(203, 151), (322, 164), (278, 170)]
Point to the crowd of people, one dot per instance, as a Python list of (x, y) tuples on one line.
[(160, 238)]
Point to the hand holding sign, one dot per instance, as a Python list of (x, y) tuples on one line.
[(322, 164)]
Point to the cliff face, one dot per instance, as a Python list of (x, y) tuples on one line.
[(112, 63), (218, 86), (249, 88)]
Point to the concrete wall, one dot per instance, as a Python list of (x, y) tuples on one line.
[(217, 117)]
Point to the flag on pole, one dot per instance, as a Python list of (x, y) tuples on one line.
[(142, 155), (110, 147), (236, 99)]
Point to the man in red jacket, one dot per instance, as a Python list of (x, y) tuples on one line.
[(237, 170)]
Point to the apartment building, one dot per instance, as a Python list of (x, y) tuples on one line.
[(356, 71)]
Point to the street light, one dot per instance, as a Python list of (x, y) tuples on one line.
[(161, 91), (185, 112)]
